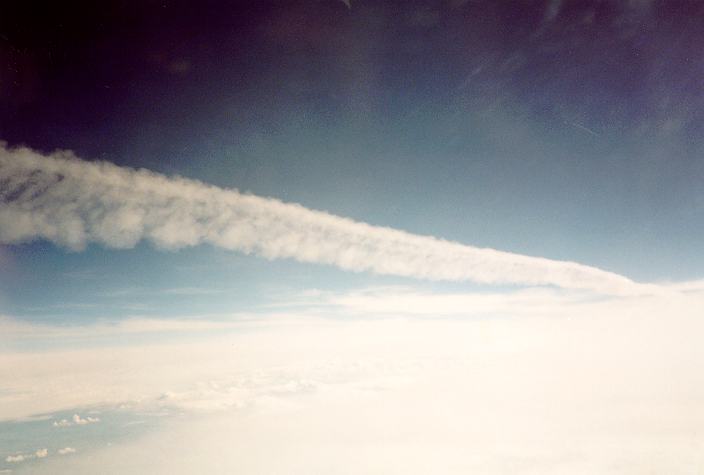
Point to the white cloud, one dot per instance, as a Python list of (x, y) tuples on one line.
[(73, 202), (13, 329), (603, 386), (17, 458), (279, 354), (66, 451), (76, 420), (192, 291)]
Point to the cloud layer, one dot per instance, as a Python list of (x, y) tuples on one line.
[(73, 202), (565, 386)]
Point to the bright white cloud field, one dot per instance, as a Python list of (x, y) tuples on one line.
[(566, 385)]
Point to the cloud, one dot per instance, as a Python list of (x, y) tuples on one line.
[(13, 329), (73, 202), (608, 385), (244, 359), (192, 291), (76, 420), (66, 451), (17, 458)]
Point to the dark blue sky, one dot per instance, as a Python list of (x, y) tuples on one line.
[(569, 130)]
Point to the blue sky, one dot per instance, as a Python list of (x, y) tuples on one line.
[(332, 206), (572, 138)]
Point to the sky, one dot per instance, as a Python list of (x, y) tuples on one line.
[(367, 236)]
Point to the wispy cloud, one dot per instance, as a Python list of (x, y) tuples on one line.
[(192, 291), (73, 202), (14, 329)]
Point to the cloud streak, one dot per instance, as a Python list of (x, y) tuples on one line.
[(72, 202)]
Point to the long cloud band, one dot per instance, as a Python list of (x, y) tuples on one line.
[(72, 202)]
